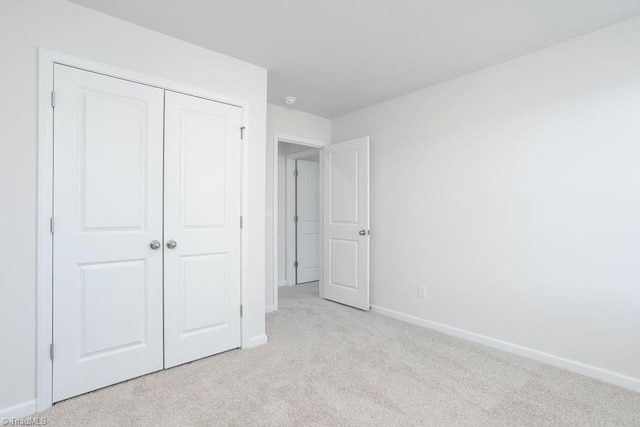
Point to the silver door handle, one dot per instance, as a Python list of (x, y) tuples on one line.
[(171, 244), (155, 245), (363, 232)]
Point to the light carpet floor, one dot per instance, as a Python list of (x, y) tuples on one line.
[(327, 364)]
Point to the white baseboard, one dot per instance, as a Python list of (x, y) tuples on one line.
[(256, 341), (20, 410), (561, 362), (282, 283), (270, 308)]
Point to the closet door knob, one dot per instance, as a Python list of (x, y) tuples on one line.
[(155, 245), (171, 244)]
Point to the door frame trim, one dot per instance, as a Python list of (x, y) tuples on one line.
[(44, 265), (312, 144)]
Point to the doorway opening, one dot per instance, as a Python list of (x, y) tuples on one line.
[(304, 244), (324, 236), (299, 210), (299, 207)]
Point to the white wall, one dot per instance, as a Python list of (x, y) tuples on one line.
[(59, 25), (514, 194), (289, 122)]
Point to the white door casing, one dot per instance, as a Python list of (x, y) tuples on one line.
[(308, 225), (107, 281), (203, 156), (346, 223)]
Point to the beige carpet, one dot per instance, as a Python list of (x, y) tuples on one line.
[(326, 364)]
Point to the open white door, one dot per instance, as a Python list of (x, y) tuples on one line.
[(346, 223), (308, 213), (203, 158)]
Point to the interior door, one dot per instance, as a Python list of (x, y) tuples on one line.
[(202, 227), (346, 223), (107, 279), (308, 225)]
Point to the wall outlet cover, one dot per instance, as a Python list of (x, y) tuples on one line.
[(422, 291)]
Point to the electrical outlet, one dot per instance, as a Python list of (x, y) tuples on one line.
[(422, 291)]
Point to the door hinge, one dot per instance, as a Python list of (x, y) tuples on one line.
[(53, 99), (295, 173), (295, 264), (295, 218), (241, 311), (52, 225), (242, 133), (240, 222), (51, 351)]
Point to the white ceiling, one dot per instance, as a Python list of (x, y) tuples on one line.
[(338, 56)]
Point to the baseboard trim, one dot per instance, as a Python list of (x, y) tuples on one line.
[(270, 308), (282, 283), (611, 377), (20, 410), (256, 341)]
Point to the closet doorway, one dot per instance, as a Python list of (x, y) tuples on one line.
[(145, 230), (302, 247)]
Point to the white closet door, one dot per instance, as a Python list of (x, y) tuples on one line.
[(107, 281), (202, 217), (346, 223), (308, 232)]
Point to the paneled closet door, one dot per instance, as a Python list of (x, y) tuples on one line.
[(107, 274), (308, 231), (202, 228)]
